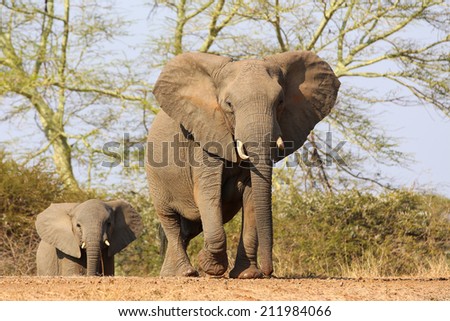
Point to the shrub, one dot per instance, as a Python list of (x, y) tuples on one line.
[(353, 234)]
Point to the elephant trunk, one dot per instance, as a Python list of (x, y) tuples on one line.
[(92, 258), (261, 177), (257, 131)]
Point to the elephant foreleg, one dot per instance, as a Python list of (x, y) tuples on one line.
[(246, 259), (207, 194), (69, 265)]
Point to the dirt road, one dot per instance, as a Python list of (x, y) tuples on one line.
[(180, 289)]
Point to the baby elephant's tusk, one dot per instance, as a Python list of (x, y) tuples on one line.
[(240, 150), (280, 143), (107, 243), (83, 245)]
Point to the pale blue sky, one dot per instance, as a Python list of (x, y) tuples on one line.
[(425, 134)]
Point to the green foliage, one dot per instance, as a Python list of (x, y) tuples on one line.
[(395, 233), (24, 193)]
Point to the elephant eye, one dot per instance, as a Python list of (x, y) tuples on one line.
[(280, 109), (229, 104), (280, 105)]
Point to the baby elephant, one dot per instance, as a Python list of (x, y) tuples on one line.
[(82, 238)]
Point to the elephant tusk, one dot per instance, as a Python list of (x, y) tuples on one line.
[(107, 243), (83, 245), (280, 143), (240, 150)]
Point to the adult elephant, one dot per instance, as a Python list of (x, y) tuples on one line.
[(212, 147), (82, 238)]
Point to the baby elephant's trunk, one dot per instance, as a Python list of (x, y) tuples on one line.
[(93, 252)]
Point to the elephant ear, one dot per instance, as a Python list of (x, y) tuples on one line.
[(126, 227), (186, 91), (310, 91), (54, 226)]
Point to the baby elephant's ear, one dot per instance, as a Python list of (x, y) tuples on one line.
[(126, 228), (54, 226)]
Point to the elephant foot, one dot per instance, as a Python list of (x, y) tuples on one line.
[(185, 270), (251, 272), (213, 263), (188, 272)]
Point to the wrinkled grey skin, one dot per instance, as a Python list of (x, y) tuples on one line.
[(81, 239), (200, 181)]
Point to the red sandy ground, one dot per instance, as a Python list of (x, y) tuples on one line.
[(220, 289)]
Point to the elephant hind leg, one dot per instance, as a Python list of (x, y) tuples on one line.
[(176, 261)]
